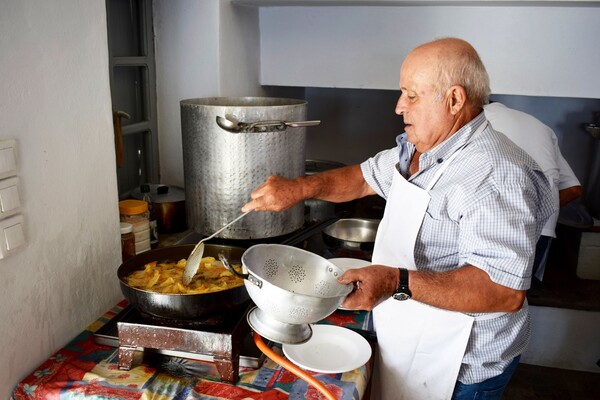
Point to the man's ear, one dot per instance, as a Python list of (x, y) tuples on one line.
[(456, 98)]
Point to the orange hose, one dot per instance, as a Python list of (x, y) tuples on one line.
[(294, 369)]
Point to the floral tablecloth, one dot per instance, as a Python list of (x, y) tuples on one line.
[(86, 370)]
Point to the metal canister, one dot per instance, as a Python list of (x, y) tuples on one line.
[(222, 168)]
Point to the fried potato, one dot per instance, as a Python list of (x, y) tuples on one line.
[(166, 277)]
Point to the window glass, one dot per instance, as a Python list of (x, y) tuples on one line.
[(134, 170), (124, 17), (130, 82)]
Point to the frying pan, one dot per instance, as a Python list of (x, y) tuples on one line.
[(182, 306), (353, 234)]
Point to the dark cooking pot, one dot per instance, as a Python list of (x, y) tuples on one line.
[(169, 203), (352, 235), (182, 306)]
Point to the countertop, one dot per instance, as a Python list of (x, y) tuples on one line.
[(84, 370)]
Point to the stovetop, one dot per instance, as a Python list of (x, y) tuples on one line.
[(309, 238), (250, 355)]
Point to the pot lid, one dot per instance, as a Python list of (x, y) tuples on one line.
[(161, 193)]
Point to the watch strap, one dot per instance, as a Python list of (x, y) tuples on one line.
[(402, 291)]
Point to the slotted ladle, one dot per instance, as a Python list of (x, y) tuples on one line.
[(193, 262)]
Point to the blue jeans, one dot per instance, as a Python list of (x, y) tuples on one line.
[(490, 389)]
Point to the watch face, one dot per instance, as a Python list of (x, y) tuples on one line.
[(401, 296)]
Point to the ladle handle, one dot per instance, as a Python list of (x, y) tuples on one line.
[(226, 226)]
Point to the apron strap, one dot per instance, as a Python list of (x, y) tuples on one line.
[(488, 316)]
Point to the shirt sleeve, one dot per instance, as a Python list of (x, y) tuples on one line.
[(499, 232), (567, 177), (378, 171)]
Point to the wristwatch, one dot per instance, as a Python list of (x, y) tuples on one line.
[(402, 291)]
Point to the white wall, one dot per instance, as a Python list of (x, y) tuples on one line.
[(55, 100), (528, 50), (203, 49)]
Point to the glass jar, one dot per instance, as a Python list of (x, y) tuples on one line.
[(135, 212), (127, 241)]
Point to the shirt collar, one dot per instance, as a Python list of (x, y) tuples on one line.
[(439, 153)]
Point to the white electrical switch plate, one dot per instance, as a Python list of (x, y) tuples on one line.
[(8, 158), (10, 199), (12, 236)]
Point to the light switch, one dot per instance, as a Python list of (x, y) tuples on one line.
[(8, 158), (10, 200), (12, 235)]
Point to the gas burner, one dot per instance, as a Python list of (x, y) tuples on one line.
[(224, 340), (178, 367), (209, 323)]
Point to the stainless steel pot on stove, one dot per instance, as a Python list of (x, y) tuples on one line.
[(222, 168)]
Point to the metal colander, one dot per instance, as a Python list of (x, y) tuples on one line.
[(292, 285)]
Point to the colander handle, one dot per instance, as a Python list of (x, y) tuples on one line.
[(249, 277), (225, 262)]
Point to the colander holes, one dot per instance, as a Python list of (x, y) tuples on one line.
[(297, 273), (322, 288), (299, 313), (271, 307), (270, 268)]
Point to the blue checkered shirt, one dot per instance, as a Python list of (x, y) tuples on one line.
[(487, 210)]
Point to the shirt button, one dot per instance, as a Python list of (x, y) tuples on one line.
[(440, 160)]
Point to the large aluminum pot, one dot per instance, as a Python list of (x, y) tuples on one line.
[(181, 306), (222, 168)]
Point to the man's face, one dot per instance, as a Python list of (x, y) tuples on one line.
[(427, 119)]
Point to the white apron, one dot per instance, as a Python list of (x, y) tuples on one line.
[(420, 347)]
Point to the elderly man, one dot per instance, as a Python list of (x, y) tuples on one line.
[(454, 250)]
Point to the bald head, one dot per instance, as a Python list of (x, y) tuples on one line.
[(453, 61)]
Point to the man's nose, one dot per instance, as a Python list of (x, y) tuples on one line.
[(399, 107)]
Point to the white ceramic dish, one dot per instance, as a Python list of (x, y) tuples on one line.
[(331, 349), (348, 263)]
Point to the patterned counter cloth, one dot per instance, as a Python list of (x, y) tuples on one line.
[(86, 370)]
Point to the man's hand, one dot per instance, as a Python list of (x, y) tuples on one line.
[(373, 284), (275, 194), (336, 185)]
